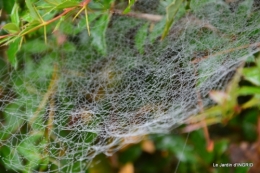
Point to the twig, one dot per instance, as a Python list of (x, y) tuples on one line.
[(47, 95), (203, 124), (197, 60), (192, 126), (210, 143), (146, 16), (258, 134), (50, 119)]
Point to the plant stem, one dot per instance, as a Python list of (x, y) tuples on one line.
[(197, 60), (47, 95), (146, 16)]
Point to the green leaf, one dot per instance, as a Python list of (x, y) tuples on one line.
[(98, 34), (30, 27), (69, 47), (56, 1), (248, 124), (157, 30), (31, 48), (212, 111), (32, 10), (27, 17), (11, 28), (58, 24), (101, 164), (11, 158), (31, 149), (12, 51), (252, 74), (45, 5), (140, 37), (241, 169), (108, 2), (174, 144), (258, 62), (252, 102), (69, 28), (128, 8), (97, 6), (90, 137), (131, 154), (4, 40), (198, 140), (11, 122), (15, 15), (221, 147), (171, 12), (248, 90), (67, 4), (8, 5)]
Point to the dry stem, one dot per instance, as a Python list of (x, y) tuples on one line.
[(197, 60), (146, 16), (47, 95)]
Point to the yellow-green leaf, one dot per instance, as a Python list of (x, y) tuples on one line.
[(11, 28), (32, 26), (67, 4), (58, 24), (252, 102), (56, 1), (141, 37), (30, 150), (4, 40), (12, 51), (98, 34), (171, 12), (32, 10), (15, 15), (7, 5), (248, 90), (128, 8), (252, 74)]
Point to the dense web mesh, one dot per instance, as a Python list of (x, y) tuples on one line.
[(69, 103)]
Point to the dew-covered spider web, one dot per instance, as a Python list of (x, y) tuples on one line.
[(68, 102)]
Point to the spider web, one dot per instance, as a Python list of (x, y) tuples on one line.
[(68, 103)]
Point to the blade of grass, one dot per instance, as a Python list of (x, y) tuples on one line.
[(87, 23)]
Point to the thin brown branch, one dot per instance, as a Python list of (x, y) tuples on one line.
[(67, 10), (7, 35), (50, 119), (145, 16), (198, 125), (256, 45), (210, 144), (258, 133), (45, 23), (202, 123)]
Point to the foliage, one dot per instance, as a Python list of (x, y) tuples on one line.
[(32, 21)]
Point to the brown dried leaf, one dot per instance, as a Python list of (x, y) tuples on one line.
[(127, 168), (148, 146)]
